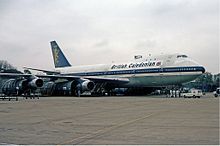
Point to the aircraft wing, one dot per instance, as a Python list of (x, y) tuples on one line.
[(67, 77), (92, 78), (15, 75), (45, 71)]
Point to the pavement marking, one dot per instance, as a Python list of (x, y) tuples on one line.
[(104, 130)]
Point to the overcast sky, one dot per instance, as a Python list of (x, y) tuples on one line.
[(102, 31)]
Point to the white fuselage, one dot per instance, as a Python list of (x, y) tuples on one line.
[(152, 71)]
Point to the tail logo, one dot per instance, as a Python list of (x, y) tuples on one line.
[(56, 54)]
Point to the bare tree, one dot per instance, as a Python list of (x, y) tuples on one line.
[(7, 67)]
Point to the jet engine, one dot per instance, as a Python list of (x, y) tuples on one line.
[(19, 86), (84, 85), (67, 88), (87, 85), (73, 87), (64, 88), (36, 83), (14, 86), (48, 88)]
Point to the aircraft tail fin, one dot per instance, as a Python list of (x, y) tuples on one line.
[(58, 56)]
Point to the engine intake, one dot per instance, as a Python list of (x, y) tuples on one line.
[(36, 83), (87, 85)]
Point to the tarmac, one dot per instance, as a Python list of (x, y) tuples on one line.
[(110, 120)]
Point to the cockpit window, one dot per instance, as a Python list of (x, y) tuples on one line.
[(182, 56)]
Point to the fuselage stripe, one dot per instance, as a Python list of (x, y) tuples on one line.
[(141, 71)]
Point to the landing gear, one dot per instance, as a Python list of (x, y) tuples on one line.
[(78, 93)]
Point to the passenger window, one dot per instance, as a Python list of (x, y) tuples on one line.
[(182, 56)]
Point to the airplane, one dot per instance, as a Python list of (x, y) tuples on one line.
[(151, 71)]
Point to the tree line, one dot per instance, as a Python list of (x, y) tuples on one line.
[(6, 67), (207, 82)]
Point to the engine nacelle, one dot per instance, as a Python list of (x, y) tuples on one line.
[(64, 88), (36, 83), (15, 86), (87, 85), (20, 86), (48, 88), (68, 88)]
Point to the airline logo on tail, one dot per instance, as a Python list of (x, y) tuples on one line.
[(58, 56), (55, 54)]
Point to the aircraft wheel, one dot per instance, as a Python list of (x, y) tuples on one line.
[(78, 93)]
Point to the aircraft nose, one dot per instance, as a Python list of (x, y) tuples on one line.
[(199, 66), (203, 69), (194, 63), (190, 62)]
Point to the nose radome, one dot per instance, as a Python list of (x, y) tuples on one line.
[(203, 69)]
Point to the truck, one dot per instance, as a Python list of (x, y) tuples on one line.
[(193, 93), (217, 92)]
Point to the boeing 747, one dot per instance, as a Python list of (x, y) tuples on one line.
[(151, 71)]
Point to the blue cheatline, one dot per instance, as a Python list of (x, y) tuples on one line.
[(139, 71)]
